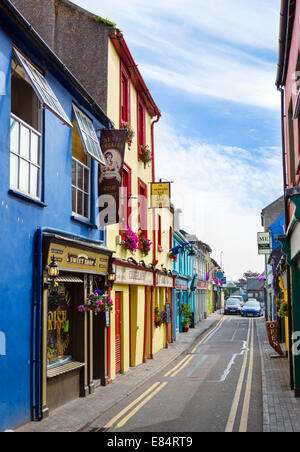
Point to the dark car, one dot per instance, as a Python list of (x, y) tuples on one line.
[(232, 306)]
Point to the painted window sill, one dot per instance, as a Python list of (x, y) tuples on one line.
[(26, 198), (84, 222)]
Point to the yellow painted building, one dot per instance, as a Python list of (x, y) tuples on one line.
[(143, 282)]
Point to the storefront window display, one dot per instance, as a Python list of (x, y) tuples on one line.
[(58, 339)]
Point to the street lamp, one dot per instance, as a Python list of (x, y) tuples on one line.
[(53, 269)]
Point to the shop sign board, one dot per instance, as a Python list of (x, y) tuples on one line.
[(164, 280), (264, 243), (77, 259), (202, 285), (160, 195), (128, 275)]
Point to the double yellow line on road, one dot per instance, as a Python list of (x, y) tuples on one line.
[(155, 389), (117, 421), (237, 397)]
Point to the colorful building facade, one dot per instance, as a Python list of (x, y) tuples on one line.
[(49, 222)]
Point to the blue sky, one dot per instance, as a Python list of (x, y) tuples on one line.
[(211, 68)]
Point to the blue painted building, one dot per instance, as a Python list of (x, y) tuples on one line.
[(50, 353), (183, 268)]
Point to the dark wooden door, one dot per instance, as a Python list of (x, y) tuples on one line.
[(118, 331)]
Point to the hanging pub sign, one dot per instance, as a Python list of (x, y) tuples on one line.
[(264, 243), (112, 144), (160, 195)]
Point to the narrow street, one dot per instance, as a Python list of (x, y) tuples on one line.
[(215, 387)]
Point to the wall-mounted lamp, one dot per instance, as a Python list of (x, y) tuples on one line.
[(53, 269)]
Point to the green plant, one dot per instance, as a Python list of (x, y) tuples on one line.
[(187, 315), (284, 310)]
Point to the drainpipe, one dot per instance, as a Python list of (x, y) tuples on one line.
[(37, 316), (286, 209)]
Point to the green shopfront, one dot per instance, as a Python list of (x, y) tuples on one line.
[(291, 247)]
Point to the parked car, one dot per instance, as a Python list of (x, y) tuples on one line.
[(232, 306), (252, 309), (239, 298)]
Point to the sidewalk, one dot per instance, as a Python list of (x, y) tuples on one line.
[(77, 414), (281, 408)]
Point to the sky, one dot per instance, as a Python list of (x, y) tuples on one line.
[(211, 69)]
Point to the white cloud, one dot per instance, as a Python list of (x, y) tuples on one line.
[(195, 45), (221, 191)]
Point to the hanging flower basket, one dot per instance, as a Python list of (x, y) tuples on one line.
[(145, 154), (157, 318), (160, 318), (130, 240), (130, 133), (284, 310), (97, 302), (144, 244)]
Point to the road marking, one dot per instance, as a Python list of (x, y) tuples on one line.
[(204, 358), (176, 367), (187, 357), (203, 340), (246, 406), (124, 411), (228, 368), (235, 404), (183, 366), (137, 408)]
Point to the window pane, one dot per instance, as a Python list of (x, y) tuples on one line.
[(24, 176), (86, 180), (73, 172), (59, 326), (34, 181), (34, 150), (24, 142), (41, 86), (79, 203), (14, 136), (86, 206), (80, 177), (74, 200), (13, 171)]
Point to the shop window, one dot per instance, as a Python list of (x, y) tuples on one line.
[(143, 208), (81, 177), (25, 135), (59, 348), (125, 201), (125, 96)]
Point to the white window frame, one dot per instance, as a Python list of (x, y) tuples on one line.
[(88, 168), (30, 162), (88, 135)]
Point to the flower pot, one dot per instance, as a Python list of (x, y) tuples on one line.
[(185, 329)]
